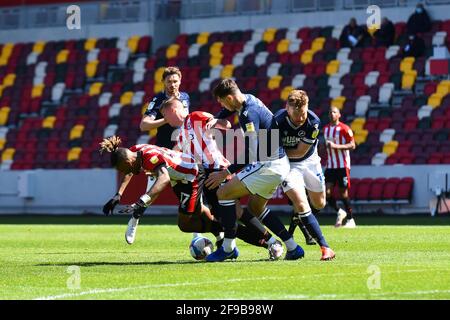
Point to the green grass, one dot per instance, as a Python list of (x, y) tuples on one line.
[(36, 252)]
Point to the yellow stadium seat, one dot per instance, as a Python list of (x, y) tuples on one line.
[(283, 46), (91, 68), (202, 38), (126, 98), (95, 88), (8, 154), (443, 88), (338, 102), (4, 61), (390, 147), (318, 44), (62, 56), (76, 132), (435, 100), (274, 82), (373, 29), (158, 74), (49, 122), (9, 80), (216, 49), (37, 90), (307, 56), (152, 133), (407, 64), (361, 136), (158, 87), (333, 67), (1, 89), (74, 154), (2, 143), (172, 51), (227, 71), (38, 47), (132, 43), (4, 112), (269, 35), (90, 44), (409, 79), (358, 124), (215, 61), (285, 92)]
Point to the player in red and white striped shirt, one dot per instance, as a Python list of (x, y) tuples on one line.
[(170, 168), (197, 139), (339, 141)]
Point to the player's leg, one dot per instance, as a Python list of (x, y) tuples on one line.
[(344, 187), (331, 178), (295, 178)]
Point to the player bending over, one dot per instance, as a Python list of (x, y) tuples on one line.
[(266, 166), (299, 129), (195, 140), (170, 168)]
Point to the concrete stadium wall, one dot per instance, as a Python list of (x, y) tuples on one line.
[(86, 31), (85, 191), (298, 20)]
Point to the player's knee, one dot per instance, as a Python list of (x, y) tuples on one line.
[(222, 194), (320, 203)]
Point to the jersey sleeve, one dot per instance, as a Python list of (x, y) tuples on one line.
[(152, 108), (153, 160), (348, 135), (312, 133), (201, 116)]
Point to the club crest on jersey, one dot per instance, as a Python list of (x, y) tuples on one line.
[(245, 113), (301, 133), (154, 160), (250, 127)]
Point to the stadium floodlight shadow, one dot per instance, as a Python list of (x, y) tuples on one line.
[(138, 263)]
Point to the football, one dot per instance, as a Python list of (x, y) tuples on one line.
[(200, 247)]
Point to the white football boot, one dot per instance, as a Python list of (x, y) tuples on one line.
[(350, 224), (130, 235), (340, 217)]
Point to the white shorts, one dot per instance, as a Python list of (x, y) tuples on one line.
[(305, 174), (263, 178)]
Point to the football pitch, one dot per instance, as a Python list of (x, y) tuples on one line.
[(87, 258)]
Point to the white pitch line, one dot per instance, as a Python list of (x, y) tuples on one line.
[(114, 290)]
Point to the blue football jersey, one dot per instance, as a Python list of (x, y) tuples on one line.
[(255, 117), (291, 135), (164, 133)]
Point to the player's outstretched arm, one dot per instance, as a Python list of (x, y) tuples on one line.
[(149, 123), (222, 124), (108, 208)]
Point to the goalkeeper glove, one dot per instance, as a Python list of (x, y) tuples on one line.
[(108, 208)]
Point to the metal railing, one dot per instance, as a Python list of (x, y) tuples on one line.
[(115, 11)]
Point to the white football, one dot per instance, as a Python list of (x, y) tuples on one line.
[(200, 247)]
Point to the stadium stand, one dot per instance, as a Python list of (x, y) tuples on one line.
[(58, 99)]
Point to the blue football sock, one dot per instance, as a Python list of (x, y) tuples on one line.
[(275, 225), (312, 225)]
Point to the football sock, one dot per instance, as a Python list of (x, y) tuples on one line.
[(271, 241), (250, 236), (332, 202), (312, 226), (347, 207), (275, 225), (227, 215), (251, 220), (290, 244), (219, 236), (314, 210), (304, 230), (229, 244)]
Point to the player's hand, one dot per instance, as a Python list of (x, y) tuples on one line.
[(331, 144), (211, 124), (108, 208), (136, 209), (215, 179)]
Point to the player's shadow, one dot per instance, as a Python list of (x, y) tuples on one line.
[(137, 263)]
